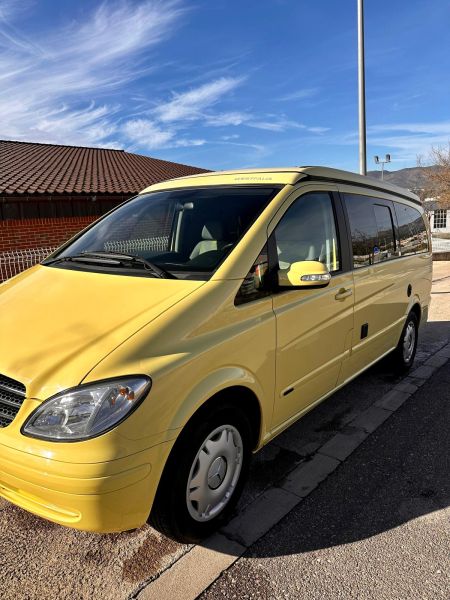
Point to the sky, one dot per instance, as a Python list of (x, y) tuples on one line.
[(225, 84)]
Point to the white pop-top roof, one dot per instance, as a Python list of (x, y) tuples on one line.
[(286, 175)]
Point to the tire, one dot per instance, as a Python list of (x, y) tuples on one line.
[(403, 355), (204, 475)]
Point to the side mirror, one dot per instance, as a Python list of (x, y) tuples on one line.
[(304, 274)]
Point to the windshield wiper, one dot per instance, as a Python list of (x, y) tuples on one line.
[(133, 258), (107, 257)]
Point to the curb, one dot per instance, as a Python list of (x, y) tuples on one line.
[(223, 549)]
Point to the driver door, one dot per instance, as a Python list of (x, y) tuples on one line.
[(314, 326)]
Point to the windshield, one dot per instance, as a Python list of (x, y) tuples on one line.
[(186, 233)]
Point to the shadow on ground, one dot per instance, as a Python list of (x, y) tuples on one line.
[(399, 473)]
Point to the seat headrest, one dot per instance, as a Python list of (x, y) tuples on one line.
[(212, 231)]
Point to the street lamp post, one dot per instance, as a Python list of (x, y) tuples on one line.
[(361, 91), (382, 162)]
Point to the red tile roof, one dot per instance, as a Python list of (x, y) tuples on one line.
[(31, 168)]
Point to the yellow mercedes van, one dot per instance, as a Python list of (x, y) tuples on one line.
[(145, 360)]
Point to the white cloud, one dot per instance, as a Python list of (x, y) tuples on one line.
[(48, 84), (150, 135), (299, 94), (276, 123), (182, 143), (227, 118), (318, 129), (56, 87), (10, 9), (146, 133), (234, 136), (191, 105), (404, 141), (440, 128)]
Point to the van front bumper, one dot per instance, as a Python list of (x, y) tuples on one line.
[(98, 497)]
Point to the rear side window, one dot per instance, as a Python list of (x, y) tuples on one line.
[(413, 234), (387, 244), (372, 230), (363, 227)]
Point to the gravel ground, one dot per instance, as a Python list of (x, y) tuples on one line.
[(40, 560)]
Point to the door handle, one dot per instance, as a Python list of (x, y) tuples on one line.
[(343, 293)]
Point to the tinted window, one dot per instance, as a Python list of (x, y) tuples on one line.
[(413, 234), (308, 232), (364, 230), (386, 239), (255, 285), (372, 230)]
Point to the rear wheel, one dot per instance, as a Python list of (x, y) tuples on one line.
[(204, 475), (405, 352)]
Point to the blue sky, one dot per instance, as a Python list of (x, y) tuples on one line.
[(224, 84)]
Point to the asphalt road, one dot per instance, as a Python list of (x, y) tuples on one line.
[(377, 528), (40, 560)]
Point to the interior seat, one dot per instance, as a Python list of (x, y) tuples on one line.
[(212, 239)]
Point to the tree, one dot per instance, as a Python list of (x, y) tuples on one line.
[(439, 176)]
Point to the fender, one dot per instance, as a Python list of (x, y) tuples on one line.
[(218, 381)]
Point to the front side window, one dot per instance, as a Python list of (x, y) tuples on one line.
[(186, 233), (256, 284), (413, 234), (308, 232)]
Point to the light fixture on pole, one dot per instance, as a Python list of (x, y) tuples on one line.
[(361, 91), (382, 162)]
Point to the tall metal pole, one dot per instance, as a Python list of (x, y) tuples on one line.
[(361, 91)]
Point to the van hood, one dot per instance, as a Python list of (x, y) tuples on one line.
[(57, 324)]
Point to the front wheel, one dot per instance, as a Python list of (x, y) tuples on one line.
[(204, 475), (405, 352)]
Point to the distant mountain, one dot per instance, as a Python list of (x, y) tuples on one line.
[(413, 178)]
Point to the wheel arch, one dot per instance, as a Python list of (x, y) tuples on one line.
[(416, 308), (231, 384), (241, 397)]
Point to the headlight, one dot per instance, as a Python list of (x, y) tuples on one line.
[(87, 410)]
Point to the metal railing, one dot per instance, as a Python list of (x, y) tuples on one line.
[(13, 262), (154, 244), (440, 244)]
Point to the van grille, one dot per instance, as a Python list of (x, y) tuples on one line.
[(12, 395)]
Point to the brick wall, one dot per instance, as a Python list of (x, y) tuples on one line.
[(39, 233)]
